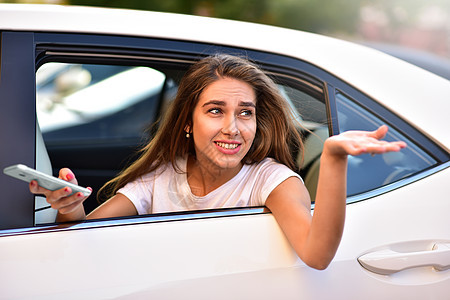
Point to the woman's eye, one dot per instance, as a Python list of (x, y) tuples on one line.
[(214, 111), (246, 113)]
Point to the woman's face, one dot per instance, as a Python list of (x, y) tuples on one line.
[(224, 124)]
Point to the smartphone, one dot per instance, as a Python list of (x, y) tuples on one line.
[(27, 174)]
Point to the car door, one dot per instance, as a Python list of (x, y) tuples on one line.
[(232, 253), (396, 239), (189, 254)]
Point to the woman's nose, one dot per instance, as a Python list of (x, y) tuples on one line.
[(230, 126)]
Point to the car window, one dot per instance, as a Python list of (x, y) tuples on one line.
[(93, 118), (366, 173)]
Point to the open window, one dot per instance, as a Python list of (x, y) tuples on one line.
[(93, 117)]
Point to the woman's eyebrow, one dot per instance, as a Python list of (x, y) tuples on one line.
[(215, 102), (223, 103), (247, 104)]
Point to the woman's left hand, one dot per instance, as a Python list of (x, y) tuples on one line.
[(361, 142)]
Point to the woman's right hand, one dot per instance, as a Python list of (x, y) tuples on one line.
[(61, 199)]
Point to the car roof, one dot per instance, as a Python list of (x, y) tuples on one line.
[(436, 64), (418, 96)]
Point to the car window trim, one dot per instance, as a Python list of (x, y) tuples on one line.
[(139, 219), (119, 56), (17, 71)]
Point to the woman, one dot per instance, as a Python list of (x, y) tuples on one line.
[(224, 143)]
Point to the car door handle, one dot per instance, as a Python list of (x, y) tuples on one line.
[(387, 261)]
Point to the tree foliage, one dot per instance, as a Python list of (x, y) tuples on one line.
[(322, 16), (309, 15)]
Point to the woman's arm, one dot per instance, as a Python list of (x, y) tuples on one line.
[(117, 206), (316, 238)]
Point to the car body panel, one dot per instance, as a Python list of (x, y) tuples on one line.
[(162, 259), (238, 254), (105, 260)]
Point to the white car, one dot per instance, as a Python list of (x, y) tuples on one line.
[(70, 96)]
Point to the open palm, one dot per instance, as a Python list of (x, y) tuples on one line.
[(357, 142)]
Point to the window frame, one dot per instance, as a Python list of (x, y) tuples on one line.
[(37, 48)]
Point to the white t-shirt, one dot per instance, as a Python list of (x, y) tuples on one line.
[(166, 190)]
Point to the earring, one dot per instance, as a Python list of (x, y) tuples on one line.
[(187, 135)]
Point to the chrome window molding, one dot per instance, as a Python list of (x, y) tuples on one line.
[(143, 219)]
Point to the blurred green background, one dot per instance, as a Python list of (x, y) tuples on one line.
[(417, 24)]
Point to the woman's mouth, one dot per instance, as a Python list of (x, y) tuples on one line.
[(227, 145), (228, 148)]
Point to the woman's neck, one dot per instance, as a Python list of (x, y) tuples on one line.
[(205, 178)]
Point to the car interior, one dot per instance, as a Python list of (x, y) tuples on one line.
[(98, 140)]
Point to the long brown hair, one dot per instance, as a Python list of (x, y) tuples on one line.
[(276, 134)]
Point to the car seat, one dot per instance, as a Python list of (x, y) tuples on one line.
[(313, 146), (43, 213)]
